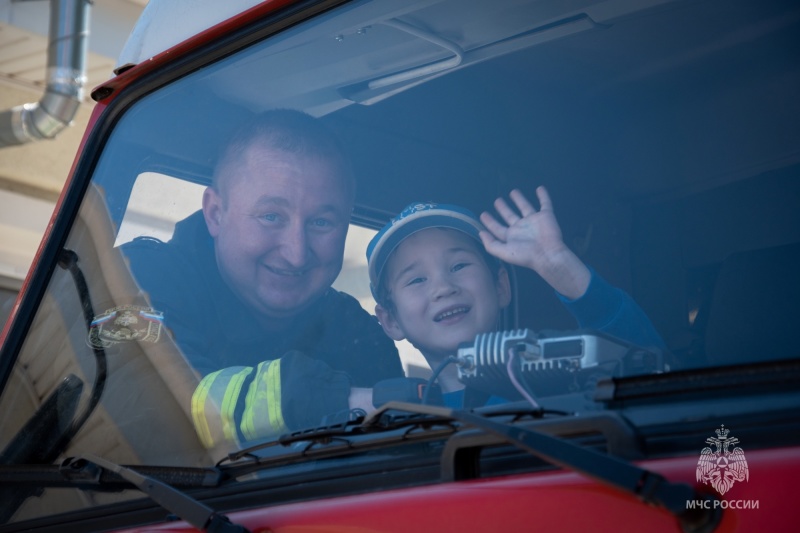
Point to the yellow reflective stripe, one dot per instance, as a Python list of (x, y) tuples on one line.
[(214, 405), (229, 400), (275, 412), (262, 414), (198, 410), (248, 423)]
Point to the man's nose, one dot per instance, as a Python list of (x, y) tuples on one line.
[(294, 246)]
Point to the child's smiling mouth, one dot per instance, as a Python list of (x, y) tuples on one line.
[(450, 313)]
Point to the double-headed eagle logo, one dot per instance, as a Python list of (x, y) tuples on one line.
[(125, 323), (722, 467)]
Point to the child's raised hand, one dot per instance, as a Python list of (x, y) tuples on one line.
[(532, 239), (528, 237)]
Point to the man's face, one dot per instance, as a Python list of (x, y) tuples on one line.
[(279, 224), (442, 291)]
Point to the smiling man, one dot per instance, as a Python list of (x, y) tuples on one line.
[(278, 212), (245, 286)]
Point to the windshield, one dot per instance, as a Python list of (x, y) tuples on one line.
[(310, 227)]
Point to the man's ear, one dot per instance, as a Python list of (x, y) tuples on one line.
[(212, 210), (389, 324), (503, 287)]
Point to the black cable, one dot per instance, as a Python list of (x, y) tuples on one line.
[(438, 370), (68, 260)]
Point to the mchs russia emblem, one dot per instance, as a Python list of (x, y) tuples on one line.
[(125, 323), (722, 467)]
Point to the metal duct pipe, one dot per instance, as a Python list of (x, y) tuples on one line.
[(66, 76)]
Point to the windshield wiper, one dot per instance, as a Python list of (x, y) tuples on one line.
[(340, 432), (435, 426), (55, 423), (333, 441), (438, 422), (354, 436), (89, 472), (649, 487), (176, 502)]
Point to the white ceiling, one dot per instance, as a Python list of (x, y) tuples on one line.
[(32, 175)]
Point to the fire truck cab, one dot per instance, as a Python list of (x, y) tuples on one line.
[(667, 136)]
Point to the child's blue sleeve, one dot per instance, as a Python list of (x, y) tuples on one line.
[(455, 399), (611, 310)]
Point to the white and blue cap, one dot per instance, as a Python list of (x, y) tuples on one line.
[(416, 217)]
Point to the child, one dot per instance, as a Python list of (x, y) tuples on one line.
[(438, 278)]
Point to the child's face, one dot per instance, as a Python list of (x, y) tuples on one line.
[(442, 290)]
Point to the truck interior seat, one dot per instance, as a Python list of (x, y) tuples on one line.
[(753, 312)]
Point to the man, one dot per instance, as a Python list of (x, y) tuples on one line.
[(245, 286)]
